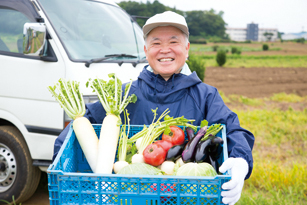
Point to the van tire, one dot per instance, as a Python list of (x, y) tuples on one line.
[(25, 177)]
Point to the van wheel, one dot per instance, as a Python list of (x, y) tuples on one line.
[(18, 177)]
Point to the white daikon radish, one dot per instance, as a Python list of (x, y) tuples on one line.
[(88, 140), (110, 96), (71, 100), (107, 144)]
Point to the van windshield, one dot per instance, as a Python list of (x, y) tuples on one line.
[(91, 29)]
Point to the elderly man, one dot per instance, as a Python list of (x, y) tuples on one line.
[(168, 83)]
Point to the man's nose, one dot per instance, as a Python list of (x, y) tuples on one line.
[(165, 49)]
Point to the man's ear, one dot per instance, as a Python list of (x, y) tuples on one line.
[(187, 49), (145, 50)]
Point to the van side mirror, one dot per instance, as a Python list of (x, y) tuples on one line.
[(34, 39)]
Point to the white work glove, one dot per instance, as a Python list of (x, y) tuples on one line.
[(239, 169)]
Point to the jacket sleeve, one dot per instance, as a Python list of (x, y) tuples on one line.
[(94, 112), (240, 141)]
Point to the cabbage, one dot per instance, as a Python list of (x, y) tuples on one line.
[(140, 169), (196, 169)]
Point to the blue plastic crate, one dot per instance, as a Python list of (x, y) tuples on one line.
[(71, 181)]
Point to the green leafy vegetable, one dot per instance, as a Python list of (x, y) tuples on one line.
[(140, 169), (156, 128), (131, 150), (203, 123), (69, 97), (110, 94), (122, 149), (212, 131), (196, 169)]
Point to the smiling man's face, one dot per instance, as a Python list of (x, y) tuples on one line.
[(166, 51)]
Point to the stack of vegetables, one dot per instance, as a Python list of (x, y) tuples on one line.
[(159, 148), (172, 154)]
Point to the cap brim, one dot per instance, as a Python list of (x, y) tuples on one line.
[(150, 27)]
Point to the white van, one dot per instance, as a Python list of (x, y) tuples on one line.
[(42, 41)]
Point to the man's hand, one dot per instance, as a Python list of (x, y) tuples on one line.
[(239, 169)]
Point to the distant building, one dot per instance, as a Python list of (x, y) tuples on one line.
[(251, 32), (262, 31), (293, 36), (236, 34)]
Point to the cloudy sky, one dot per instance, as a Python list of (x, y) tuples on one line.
[(289, 16)]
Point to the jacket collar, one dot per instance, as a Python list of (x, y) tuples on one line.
[(155, 88)]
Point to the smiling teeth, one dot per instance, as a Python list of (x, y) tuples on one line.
[(165, 59)]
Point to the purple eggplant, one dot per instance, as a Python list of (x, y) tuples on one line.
[(202, 150), (217, 140), (206, 148), (174, 152), (216, 148), (215, 151), (190, 133), (188, 153), (214, 163)]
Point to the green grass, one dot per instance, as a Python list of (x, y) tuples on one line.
[(257, 102), (246, 101), (283, 97), (276, 126), (209, 48), (13, 201), (238, 61), (280, 159), (247, 61)]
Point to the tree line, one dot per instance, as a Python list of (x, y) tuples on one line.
[(203, 25)]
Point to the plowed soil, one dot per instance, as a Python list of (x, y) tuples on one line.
[(257, 82)]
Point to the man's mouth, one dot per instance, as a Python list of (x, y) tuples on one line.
[(165, 59)]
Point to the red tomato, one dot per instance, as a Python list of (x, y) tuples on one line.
[(176, 136), (165, 144), (154, 154)]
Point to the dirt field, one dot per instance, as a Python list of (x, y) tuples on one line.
[(258, 82)]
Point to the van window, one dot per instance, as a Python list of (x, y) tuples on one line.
[(91, 29), (11, 30)]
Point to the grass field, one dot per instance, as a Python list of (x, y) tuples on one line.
[(241, 61), (243, 48), (287, 54), (280, 158)]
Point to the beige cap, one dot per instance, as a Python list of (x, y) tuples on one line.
[(167, 18)]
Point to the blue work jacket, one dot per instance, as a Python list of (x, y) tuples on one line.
[(183, 95)]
